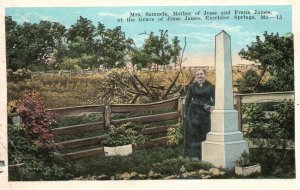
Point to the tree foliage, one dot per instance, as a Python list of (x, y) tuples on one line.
[(275, 54), (176, 49), (248, 81), (156, 51), (30, 45), (115, 47), (50, 45)]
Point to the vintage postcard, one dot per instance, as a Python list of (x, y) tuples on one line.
[(144, 95)]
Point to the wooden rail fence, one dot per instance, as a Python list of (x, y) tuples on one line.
[(107, 111), (176, 113)]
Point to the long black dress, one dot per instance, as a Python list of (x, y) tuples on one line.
[(197, 117)]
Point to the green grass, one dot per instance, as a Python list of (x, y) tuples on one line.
[(165, 160)]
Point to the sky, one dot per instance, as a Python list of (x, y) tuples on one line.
[(200, 34)]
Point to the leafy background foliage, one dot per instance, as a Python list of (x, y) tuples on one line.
[(49, 45), (273, 136), (276, 55)]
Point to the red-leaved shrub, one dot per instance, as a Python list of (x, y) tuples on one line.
[(36, 121)]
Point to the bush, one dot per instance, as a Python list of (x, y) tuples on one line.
[(280, 126), (245, 160), (121, 135), (175, 135), (34, 164), (31, 144), (114, 88), (71, 64), (285, 119), (18, 75), (36, 121), (273, 137)]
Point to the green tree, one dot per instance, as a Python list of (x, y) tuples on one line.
[(11, 33), (176, 49), (159, 48), (95, 46), (83, 28), (140, 59), (81, 46), (275, 54), (156, 51), (80, 38), (248, 81), (31, 45), (116, 48)]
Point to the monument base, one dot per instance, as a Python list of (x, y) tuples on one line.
[(223, 154), (224, 145)]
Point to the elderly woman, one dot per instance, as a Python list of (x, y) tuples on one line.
[(199, 102)]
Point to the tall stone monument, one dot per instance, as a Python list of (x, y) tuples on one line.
[(224, 143)]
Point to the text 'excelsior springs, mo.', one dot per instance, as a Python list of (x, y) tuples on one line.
[(174, 16)]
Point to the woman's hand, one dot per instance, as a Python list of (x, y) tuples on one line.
[(209, 107)]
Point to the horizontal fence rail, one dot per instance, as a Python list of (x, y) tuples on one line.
[(80, 142), (78, 128), (155, 130), (266, 97), (148, 118), (71, 111), (126, 108), (174, 111), (84, 153), (151, 143)]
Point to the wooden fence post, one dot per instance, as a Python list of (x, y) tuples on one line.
[(107, 114), (239, 109), (180, 110)]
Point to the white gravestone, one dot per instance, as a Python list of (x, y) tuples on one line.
[(119, 150), (224, 143)]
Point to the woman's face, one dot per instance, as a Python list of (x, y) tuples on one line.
[(200, 76)]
